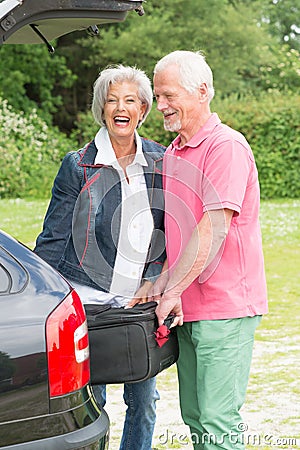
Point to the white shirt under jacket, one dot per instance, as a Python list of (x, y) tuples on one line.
[(135, 230)]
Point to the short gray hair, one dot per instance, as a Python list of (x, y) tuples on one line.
[(119, 74), (193, 70)]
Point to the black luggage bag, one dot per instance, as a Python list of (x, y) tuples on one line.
[(125, 345)]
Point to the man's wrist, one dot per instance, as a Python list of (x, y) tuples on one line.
[(172, 292)]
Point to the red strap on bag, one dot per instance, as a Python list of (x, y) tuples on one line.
[(162, 335)]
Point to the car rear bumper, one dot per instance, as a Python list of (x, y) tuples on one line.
[(95, 433)]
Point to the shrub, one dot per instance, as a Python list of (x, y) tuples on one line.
[(271, 124), (30, 154)]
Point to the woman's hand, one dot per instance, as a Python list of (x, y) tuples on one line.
[(141, 295), (158, 288)]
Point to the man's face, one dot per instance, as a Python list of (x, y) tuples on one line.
[(181, 109)]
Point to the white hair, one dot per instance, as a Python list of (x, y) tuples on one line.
[(119, 74), (193, 70)]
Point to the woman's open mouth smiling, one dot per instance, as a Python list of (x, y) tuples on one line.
[(120, 120)]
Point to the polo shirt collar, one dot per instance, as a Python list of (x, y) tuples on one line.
[(106, 155), (200, 136)]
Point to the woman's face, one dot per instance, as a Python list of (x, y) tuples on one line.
[(123, 109)]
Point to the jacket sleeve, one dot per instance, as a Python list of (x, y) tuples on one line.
[(57, 226), (154, 268)]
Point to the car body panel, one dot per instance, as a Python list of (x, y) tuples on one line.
[(32, 415), (54, 18), (29, 291), (92, 437)]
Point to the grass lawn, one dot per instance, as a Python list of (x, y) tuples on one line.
[(273, 399), (23, 219)]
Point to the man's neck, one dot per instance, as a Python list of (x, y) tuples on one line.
[(186, 135)]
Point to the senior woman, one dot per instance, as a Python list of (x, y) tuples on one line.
[(104, 226)]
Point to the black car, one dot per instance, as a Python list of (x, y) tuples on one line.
[(45, 396), (46, 400)]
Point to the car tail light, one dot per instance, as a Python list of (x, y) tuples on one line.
[(67, 347)]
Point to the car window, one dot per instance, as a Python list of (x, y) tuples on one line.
[(13, 276)]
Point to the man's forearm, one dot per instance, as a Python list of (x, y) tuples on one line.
[(203, 247)]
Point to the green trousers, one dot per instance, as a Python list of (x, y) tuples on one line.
[(213, 372)]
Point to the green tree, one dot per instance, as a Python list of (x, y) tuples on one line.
[(282, 18), (247, 43), (244, 56), (29, 76)]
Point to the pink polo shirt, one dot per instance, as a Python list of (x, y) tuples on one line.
[(216, 170)]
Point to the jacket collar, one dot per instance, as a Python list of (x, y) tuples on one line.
[(105, 152), (89, 151)]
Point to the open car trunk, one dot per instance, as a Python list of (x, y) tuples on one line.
[(35, 21)]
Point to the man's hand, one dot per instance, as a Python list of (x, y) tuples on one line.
[(169, 304)]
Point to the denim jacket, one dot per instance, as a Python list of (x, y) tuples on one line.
[(82, 224)]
